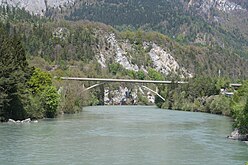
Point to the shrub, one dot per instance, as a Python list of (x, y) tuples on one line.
[(50, 101), (220, 105), (43, 96)]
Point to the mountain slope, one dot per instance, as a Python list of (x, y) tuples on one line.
[(64, 41), (206, 22)]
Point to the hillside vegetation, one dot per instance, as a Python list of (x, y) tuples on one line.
[(65, 43), (195, 22)]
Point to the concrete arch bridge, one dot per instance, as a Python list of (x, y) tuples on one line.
[(102, 81)]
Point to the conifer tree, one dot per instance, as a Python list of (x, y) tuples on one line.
[(14, 73)]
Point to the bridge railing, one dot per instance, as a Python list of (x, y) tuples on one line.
[(122, 80)]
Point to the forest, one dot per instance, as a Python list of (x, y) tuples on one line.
[(189, 25)]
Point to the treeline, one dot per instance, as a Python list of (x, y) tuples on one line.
[(202, 94), (24, 91)]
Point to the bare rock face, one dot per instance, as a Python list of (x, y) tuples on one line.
[(121, 96), (37, 7), (120, 54), (118, 50), (223, 5)]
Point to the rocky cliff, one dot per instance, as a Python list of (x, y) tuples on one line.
[(38, 7), (206, 6), (121, 52)]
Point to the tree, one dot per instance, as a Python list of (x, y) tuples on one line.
[(39, 81), (240, 108), (40, 87), (155, 75), (14, 74), (140, 75), (240, 115), (220, 105), (50, 101)]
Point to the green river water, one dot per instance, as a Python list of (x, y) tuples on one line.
[(123, 135)]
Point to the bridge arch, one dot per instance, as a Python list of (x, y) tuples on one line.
[(104, 80)]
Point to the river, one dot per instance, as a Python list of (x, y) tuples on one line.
[(127, 135)]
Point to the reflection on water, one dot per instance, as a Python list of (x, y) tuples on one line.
[(123, 135)]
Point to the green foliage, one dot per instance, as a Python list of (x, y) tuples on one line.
[(240, 108), (63, 41), (115, 68), (199, 94), (34, 107), (173, 18), (73, 97), (39, 81), (221, 105), (240, 111), (140, 75), (50, 101), (93, 100), (40, 88), (155, 75), (142, 99), (179, 100), (222, 83), (200, 86), (159, 102), (14, 73), (163, 91)]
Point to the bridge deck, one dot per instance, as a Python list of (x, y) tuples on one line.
[(122, 80)]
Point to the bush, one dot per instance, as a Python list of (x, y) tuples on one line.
[(187, 107), (142, 99), (50, 101), (240, 113), (115, 68), (240, 108), (155, 75), (140, 75), (43, 96), (220, 105), (34, 108), (73, 97)]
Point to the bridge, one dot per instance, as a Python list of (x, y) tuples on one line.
[(105, 80), (235, 85), (123, 80)]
